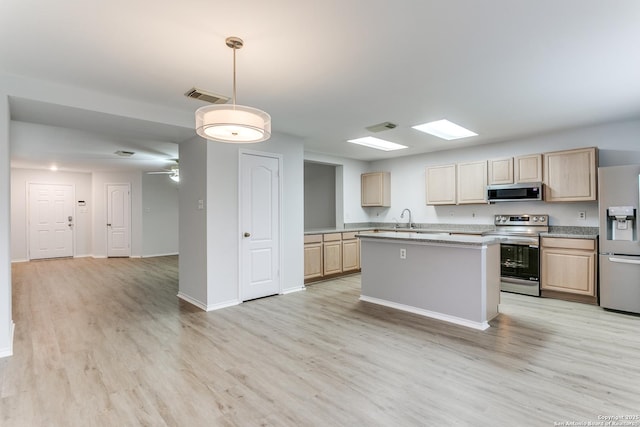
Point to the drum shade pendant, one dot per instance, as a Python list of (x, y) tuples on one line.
[(233, 123)]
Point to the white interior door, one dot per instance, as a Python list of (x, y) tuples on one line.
[(118, 220), (259, 225), (50, 221)]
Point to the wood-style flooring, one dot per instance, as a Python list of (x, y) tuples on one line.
[(106, 342)]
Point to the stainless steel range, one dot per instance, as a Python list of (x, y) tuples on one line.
[(520, 251)]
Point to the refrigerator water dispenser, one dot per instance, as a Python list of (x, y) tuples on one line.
[(621, 224)]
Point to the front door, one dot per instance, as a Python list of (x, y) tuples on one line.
[(50, 221), (118, 220), (259, 225)]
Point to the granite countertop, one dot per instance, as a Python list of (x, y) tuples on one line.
[(568, 232), (427, 238)]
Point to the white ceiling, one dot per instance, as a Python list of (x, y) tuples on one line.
[(326, 70)]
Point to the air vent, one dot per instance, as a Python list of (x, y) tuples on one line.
[(381, 127), (123, 153), (203, 95)]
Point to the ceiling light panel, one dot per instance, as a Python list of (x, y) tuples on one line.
[(445, 129), (377, 143)]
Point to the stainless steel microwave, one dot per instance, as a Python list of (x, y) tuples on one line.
[(514, 192)]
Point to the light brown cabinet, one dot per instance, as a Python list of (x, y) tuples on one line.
[(441, 185), (350, 252), (472, 182), (332, 253), (313, 265), (375, 189), (568, 267), (570, 176), (501, 171), (528, 168)]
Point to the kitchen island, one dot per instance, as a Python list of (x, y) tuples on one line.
[(452, 278)]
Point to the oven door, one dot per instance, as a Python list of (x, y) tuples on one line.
[(520, 267)]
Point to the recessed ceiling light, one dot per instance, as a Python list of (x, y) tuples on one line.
[(445, 129), (377, 143), (53, 168)]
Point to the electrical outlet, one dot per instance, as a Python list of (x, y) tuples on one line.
[(582, 215), (403, 253)]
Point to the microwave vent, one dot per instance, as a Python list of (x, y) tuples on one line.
[(203, 95)]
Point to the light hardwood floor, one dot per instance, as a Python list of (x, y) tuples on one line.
[(106, 342)]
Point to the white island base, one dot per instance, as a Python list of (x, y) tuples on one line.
[(450, 278)]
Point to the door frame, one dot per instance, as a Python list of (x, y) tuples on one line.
[(242, 152), (27, 212), (106, 216)]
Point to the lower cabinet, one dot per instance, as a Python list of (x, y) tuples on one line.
[(568, 269), (330, 254), (313, 264), (350, 252)]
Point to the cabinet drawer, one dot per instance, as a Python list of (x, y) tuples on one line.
[(558, 242), (313, 238), (349, 236), (331, 237)]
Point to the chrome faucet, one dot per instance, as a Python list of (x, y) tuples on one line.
[(409, 224)]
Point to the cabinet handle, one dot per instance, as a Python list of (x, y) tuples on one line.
[(623, 261), (247, 234)]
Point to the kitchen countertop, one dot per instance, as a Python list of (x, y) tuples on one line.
[(568, 232)]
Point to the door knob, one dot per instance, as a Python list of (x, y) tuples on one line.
[(108, 225), (247, 234)]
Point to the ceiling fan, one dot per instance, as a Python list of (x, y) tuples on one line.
[(174, 172)]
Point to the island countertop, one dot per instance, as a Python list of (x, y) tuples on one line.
[(444, 238)]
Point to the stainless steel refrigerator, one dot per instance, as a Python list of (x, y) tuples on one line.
[(619, 197)]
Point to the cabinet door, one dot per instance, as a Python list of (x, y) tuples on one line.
[(570, 176), (501, 171), (441, 185), (313, 260), (332, 257), (350, 256), (568, 270), (375, 189), (528, 168), (472, 182)]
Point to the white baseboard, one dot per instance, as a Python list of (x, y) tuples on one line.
[(157, 255), (292, 290), (432, 314), (192, 301), (6, 352), (83, 256), (225, 304), (19, 260), (98, 256)]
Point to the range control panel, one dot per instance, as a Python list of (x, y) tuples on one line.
[(522, 219)]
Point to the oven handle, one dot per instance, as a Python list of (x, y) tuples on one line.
[(624, 260), (520, 243)]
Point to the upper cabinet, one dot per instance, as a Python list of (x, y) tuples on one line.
[(472, 182), (528, 168), (441, 185), (501, 171), (376, 189), (570, 176)]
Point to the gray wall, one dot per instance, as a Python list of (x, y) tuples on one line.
[(159, 215), (6, 322), (319, 195)]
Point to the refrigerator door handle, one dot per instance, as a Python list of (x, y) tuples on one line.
[(624, 260)]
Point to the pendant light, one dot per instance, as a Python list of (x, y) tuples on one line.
[(233, 123)]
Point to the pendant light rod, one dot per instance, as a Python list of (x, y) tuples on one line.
[(234, 43)]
